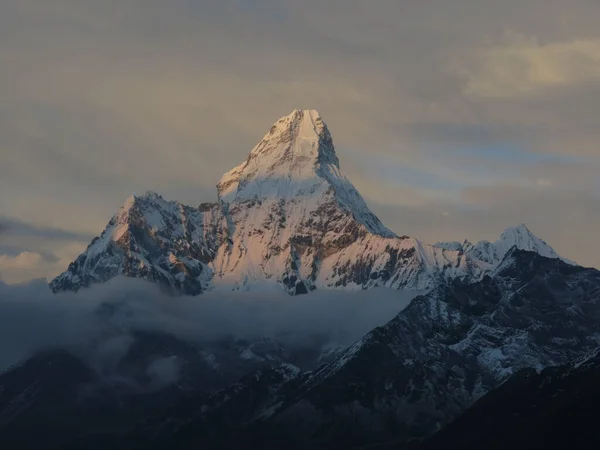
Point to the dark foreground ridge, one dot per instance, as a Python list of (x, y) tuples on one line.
[(557, 408)]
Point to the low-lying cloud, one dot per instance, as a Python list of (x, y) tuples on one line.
[(100, 323)]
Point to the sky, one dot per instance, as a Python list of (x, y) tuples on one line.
[(453, 119)]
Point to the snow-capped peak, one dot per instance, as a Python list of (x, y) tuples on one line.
[(296, 162), (289, 156), (520, 231), (519, 237), (523, 239), (135, 201)]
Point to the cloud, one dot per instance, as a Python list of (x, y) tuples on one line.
[(23, 260), (523, 66), (24, 266), (16, 227), (33, 319), (28, 250), (164, 371)]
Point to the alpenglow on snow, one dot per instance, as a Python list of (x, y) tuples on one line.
[(286, 216)]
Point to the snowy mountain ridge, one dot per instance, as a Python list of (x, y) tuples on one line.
[(493, 252), (287, 217)]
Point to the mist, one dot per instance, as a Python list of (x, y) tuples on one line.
[(100, 323)]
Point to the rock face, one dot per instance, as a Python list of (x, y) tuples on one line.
[(286, 216)]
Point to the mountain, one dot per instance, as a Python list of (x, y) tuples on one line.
[(154, 239), (554, 408), (410, 377), (492, 253), (286, 216)]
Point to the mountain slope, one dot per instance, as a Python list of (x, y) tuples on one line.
[(70, 401), (556, 408), (154, 239), (287, 217), (296, 162), (413, 375), (451, 346)]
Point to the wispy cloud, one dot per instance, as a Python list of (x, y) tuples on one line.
[(33, 319), (523, 66), (31, 251), (23, 260), (12, 226)]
